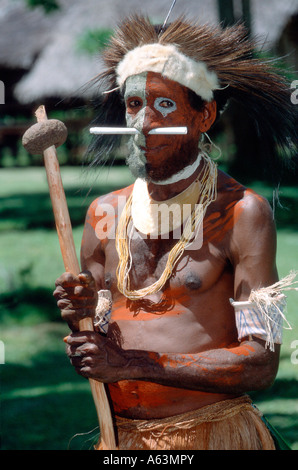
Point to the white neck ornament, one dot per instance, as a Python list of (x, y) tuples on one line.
[(207, 181), (183, 174), (155, 218)]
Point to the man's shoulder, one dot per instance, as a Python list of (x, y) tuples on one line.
[(247, 204), (113, 198), (256, 206), (253, 221)]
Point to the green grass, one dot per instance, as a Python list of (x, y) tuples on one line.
[(44, 403), (280, 402)]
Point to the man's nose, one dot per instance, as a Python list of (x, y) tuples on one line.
[(151, 120), (144, 122)]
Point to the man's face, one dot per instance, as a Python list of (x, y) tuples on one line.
[(153, 101)]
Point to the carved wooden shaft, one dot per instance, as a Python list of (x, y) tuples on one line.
[(67, 246)]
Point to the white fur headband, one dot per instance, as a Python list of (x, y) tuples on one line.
[(171, 63)]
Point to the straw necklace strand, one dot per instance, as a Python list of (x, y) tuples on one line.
[(208, 193)]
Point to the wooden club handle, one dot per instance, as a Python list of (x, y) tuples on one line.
[(71, 263)]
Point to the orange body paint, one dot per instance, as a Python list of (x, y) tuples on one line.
[(103, 212), (172, 302), (208, 319), (152, 400), (218, 224), (242, 350)]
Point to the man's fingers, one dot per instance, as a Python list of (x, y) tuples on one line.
[(67, 279), (86, 279), (83, 351), (68, 312), (76, 297), (79, 338), (81, 291), (71, 287)]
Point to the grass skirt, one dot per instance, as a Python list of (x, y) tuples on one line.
[(226, 425)]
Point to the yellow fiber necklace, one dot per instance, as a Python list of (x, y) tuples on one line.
[(208, 194)]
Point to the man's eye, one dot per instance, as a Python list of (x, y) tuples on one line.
[(135, 103), (166, 104)]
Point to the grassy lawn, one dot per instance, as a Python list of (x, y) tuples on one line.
[(44, 404)]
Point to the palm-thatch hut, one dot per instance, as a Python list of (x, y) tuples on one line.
[(62, 67), (46, 58)]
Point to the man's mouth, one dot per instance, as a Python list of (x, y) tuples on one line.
[(150, 149)]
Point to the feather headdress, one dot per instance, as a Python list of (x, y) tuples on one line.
[(226, 53)]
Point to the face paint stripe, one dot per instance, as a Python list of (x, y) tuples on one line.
[(136, 86), (164, 110), (154, 102)]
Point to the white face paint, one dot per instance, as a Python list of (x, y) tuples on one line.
[(165, 106), (135, 86), (150, 103)]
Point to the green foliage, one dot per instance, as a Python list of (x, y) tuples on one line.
[(41, 395), (93, 41), (279, 63), (48, 5), (13, 154)]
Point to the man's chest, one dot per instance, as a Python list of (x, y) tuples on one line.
[(185, 313), (195, 270)]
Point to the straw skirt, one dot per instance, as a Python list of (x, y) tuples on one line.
[(226, 425)]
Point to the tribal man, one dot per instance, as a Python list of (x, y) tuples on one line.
[(195, 307)]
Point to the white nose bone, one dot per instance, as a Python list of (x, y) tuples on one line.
[(134, 131), (168, 130), (114, 130)]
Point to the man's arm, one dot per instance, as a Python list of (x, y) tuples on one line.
[(253, 246), (241, 367), (249, 365), (92, 254), (77, 295)]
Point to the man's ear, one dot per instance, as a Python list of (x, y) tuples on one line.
[(208, 116)]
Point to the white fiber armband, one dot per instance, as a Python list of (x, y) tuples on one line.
[(263, 314), (251, 320), (103, 311)]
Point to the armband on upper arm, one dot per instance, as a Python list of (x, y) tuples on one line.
[(263, 315), (266, 324)]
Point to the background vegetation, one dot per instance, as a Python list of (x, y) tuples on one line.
[(44, 404)]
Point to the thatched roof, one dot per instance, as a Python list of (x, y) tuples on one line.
[(61, 69), (270, 17), (23, 33)]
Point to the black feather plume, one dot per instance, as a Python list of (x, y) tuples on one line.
[(256, 83)]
